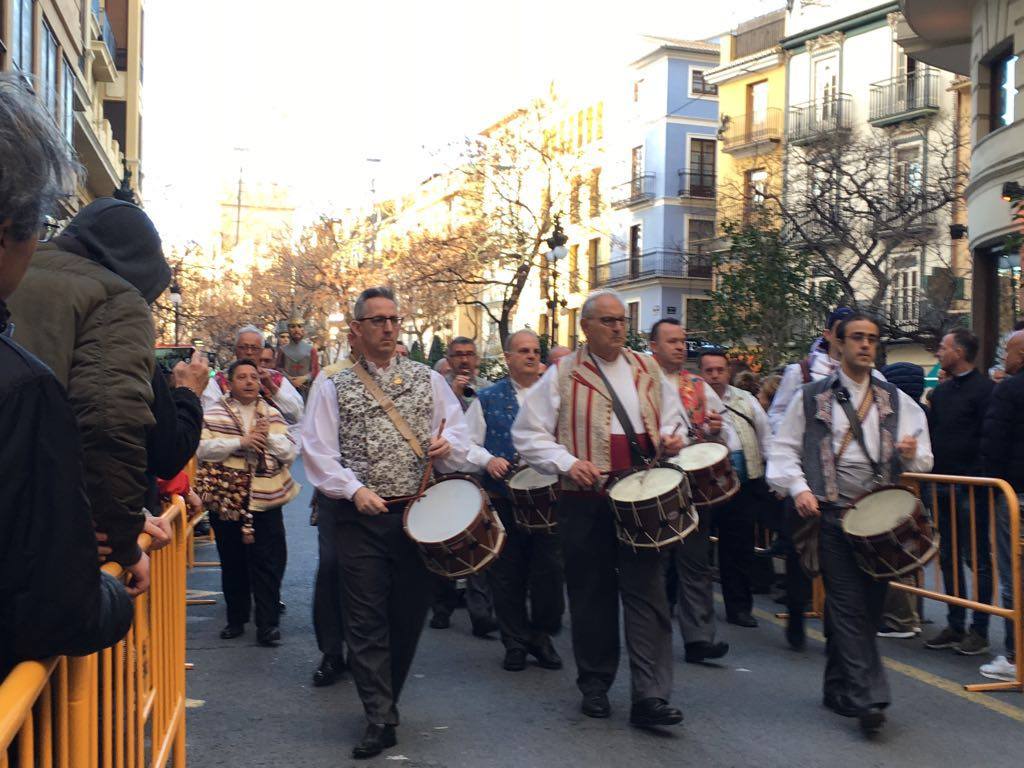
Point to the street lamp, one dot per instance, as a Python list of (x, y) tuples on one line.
[(174, 296), (556, 244)]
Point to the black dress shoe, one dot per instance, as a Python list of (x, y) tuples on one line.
[(515, 660), (376, 739), (596, 705), (795, 635), (705, 651), (546, 655), (330, 669), (231, 631), (484, 627), (871, 720), (440, 621), (651, 712), (742, 620), (268, 636), (841, 705)]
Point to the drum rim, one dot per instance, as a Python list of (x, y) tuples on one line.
[(508, 479), (437, 481)]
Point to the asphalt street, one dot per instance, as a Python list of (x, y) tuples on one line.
[(255, 706)]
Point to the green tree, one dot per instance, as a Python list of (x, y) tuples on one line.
[(416, 351), (765, 301), (436, 351)]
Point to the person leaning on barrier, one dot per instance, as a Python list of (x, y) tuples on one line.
[(1002, 456), (53, 597)]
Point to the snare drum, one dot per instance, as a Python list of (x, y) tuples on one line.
[(454, 527), (533, 497), (652, 507), (890, 533), (712, 478)]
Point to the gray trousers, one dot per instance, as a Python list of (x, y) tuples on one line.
[(853, 613), (385, 597), (530, 564), (598, 569), (328, 617), (695, 596)]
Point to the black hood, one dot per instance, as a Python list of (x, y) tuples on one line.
[(121, 237)]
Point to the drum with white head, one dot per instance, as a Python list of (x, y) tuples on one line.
[(652, 507), (890, 532), (454, 527), (533, 496), (712, 477)]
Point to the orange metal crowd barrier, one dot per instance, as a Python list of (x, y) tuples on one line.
[(123, 707)]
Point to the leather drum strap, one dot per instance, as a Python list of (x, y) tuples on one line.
[(390, 409)]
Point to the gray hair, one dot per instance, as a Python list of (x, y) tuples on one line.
[(588, 306), (247, 329), (36, 168), (460, 340), (508, 341), (377, 292)]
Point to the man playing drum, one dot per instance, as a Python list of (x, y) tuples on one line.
[(826, 466), (362, 464), (567, 426), (530, 562), (692, 558)]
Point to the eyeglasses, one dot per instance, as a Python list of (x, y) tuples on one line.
[(860, 338), (48, 227), (470, 353), (249, 347), (379, 321), (611, 322)]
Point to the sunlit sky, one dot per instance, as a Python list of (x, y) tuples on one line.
[(302, 92)]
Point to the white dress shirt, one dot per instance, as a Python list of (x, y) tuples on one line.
[(785, 472), (281, 447), (729, 419), (535, 429), (477, 456), (322, 455)]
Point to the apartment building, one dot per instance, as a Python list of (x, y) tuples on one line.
[(83, 58)]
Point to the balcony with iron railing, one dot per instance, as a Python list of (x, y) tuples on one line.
[(637, 190), (820, 120), (914, 95), (906, 211), (905, 308), (660, 263), (104, 48), (752, 132), (697, 185)]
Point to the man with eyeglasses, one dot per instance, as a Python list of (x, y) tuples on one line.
[(568, 426), (365, 469), (298, 359), (824, 465)]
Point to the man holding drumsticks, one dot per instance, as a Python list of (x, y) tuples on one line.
[(371, 432), (568, 425), (840, 438)]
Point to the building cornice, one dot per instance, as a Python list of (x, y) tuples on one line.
[(849, 24), (755, 62)]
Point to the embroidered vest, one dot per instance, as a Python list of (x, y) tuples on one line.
[(819, 459), (695, 400), (369, 444), (500, 409), (746, 433), (585, 412)]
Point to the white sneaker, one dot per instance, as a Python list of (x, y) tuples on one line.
[(999, 669)]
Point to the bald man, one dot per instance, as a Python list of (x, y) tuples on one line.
[(556, 353)]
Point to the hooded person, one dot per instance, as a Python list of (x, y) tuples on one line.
[(83, 309)]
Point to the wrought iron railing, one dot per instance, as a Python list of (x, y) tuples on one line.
[(819, 119), (743, 131), (655, 263), (904, 97), (697, 184), (636, 190)]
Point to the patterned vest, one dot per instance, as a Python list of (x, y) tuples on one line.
[(694, 396), (500, 409), (819, 459), (369, 444), (585, 413), (746, 433)]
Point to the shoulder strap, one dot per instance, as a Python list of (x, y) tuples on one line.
[(743, 416), (390, 409), (805, 370), (855, 418), (637, 454)]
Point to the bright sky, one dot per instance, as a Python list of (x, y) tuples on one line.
[(312, 88)]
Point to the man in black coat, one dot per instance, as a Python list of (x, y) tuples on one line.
[(955, 421), (1002, 453), (53, 597)]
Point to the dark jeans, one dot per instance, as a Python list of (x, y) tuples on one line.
[(385, 596), (982, 591), (328, 617), (251, 573)]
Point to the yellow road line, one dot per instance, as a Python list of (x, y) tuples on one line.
[(916, 673)]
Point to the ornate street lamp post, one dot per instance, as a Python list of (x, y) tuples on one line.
[(556, 252)]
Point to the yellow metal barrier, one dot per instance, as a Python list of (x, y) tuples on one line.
[(123, 706)]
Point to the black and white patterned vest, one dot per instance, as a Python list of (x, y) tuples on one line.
[(369, 443)]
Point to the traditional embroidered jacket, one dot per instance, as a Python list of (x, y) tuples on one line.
[(369, 443), (746, 433), (692, 391), (272, 483)]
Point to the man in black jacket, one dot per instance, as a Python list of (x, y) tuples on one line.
[(1002, 453), (955, 421), (53, 597)]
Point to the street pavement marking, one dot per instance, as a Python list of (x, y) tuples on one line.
[(916, 673)]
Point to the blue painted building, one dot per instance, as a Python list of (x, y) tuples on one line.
[(666, 197)]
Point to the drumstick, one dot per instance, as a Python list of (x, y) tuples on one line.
[(430, 465), (659, 451)]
